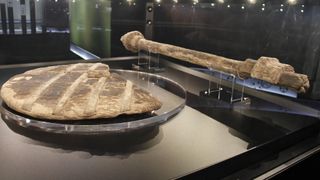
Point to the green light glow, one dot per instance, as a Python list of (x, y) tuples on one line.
[(90, 25)]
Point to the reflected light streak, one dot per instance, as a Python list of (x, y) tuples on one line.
[(221, 1), (292, 2), (252, 1)]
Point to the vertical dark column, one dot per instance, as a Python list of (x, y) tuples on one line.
[(3, 19), (44, 29), (23, 16), (45, 9), (149, 21), (311, 62), (10, 17), (33, 16)]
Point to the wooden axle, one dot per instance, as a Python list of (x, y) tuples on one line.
[(265, 68)]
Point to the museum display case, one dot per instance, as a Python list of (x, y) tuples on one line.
[(237, 82)]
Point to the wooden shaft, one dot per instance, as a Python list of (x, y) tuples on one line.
[(137, 42), (265, 68)]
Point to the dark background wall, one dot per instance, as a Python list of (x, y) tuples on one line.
[(15, 49), (50, 40), (235, 29), (125, 17), (240, 30), (274, 28)]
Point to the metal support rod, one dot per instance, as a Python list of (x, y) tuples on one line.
[(149, 20)]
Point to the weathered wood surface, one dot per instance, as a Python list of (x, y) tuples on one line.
[(265, 68), (75, 92)]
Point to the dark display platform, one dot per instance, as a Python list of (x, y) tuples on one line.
[(208, 138)]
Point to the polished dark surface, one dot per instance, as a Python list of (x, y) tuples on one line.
[(176, 148), (207, 133)]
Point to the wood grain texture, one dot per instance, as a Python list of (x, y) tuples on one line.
[(75, 92), (265, 68)]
